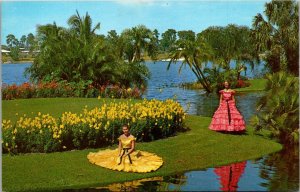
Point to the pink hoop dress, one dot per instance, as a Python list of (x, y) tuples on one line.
[(227, 117)]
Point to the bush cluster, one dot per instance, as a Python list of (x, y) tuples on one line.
[(65, 89)]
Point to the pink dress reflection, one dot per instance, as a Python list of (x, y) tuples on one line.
[(229, 175)]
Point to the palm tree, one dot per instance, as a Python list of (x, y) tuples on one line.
[(83, 27), (52, 39), (277, 35), (116, 43), (194, 53), (11, 40), (231, 43), (139, 39), (22, 41), (168, 39), (77, 54), (279, 108)]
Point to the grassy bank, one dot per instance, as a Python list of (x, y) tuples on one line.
[(8, 59), (195, 149), (256, 85)]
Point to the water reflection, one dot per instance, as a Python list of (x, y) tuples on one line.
[(229, 175), (140, 185), (275, 172), (281, 170)]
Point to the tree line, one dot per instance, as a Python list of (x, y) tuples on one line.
[(77, 53)]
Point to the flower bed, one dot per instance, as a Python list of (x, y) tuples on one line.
[(98, 127), (65, 89)]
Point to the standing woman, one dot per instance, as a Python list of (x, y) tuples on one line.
[(227, 117)]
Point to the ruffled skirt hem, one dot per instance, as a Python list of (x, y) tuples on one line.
[(142, 161)]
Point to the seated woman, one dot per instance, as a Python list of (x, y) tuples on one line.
[(125, 158)]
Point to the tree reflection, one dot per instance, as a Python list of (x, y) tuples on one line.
[(281, 170)]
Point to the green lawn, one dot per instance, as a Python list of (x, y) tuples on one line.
[(53, 106), (195, 149), (256, 85)]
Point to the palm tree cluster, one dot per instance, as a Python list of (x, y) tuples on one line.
[(27, 42), (276, 35), (219, 46), (14, 44), (77, 53)]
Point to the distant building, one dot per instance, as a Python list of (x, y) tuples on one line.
[(5, 51)]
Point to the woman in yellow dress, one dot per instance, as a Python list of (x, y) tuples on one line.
[(125, 157)]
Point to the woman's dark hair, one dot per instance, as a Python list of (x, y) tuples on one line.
[(125, 125), (227, 82)]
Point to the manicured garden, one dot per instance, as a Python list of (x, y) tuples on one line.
[(80, 98), (71, 169)]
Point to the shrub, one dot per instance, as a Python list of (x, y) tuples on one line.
[(65, 89), (279, 108)]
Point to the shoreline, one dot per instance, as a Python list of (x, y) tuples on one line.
[(17, 62), (172, 152)]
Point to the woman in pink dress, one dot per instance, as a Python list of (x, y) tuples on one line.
[(227, 117)]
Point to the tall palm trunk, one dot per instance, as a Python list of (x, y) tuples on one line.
[(205, 82)]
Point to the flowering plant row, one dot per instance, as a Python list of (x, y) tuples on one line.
[(98, 127), (65, 89)]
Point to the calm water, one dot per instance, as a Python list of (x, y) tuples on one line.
[(274, 172), (14, 73), (164, 84), (264, 174)]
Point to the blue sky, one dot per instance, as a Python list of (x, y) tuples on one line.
[(22, 17)]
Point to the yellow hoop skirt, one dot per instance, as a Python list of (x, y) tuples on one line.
[(142, 161)]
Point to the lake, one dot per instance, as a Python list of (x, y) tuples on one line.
[(278, 171)]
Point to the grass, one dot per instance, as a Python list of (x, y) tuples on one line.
[(195, 149), (256, 85), (53, 106)]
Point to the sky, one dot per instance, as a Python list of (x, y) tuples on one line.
[(22, 17)]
